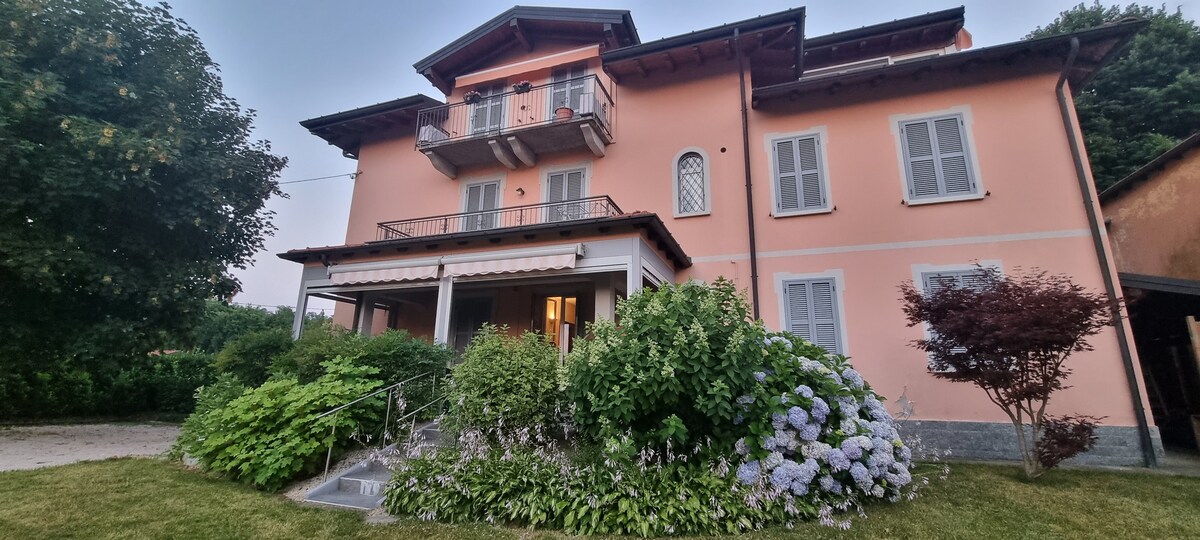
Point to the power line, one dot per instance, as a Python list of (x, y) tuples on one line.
[(351, 175)]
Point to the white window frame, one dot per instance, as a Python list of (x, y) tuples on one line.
[(468, 183), (821, 133), (968, 121), (707, 210), (550, 107), (920, 270), (545, 173), (782, 279)]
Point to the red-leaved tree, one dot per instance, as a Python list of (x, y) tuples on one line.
[(1011, 336)]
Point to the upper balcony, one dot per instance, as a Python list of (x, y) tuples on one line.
[(516, 126), (550, 213)]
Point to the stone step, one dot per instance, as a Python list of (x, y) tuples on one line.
[(346, 500), (369, 482)]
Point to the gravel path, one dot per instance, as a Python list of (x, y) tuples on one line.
[(31, 447)]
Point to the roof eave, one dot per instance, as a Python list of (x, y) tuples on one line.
[(1143, 172)]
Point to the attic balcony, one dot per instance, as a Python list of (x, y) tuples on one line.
[(540, 215), (513, 128)]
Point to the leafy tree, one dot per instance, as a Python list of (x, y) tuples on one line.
[(130, 184), (1144, 102), (1011, 336)]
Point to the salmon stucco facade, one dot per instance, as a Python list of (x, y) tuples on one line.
[(571, 164)]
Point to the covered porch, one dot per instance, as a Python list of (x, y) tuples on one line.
[(527, 283)]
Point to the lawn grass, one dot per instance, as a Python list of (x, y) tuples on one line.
[(146, 498)]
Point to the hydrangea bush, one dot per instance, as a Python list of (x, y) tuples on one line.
[(817, 430)]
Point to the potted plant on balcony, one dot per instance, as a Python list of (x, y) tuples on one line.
[(522, 86), (472, 97), (563, 112)]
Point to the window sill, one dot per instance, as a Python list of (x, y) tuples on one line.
[(802, 212), (939, 200), (694, 214)]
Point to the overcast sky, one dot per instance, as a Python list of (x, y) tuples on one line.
[(292, 60)]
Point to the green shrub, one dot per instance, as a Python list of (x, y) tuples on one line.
[(270, 434), (176, 377), (542, 488), (320, 343), (208, 398), (249, 356), (672, 368), (400, 356), (514, 378)]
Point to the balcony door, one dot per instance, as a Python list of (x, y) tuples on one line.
[(568, 89), (562, 188), (479, 199), (488, 114)]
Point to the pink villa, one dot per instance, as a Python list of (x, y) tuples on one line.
[(572, 164)]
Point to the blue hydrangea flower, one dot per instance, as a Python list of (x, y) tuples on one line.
[(799, 488), (847, 404), (748, 472), (853, 378), (820, 409), (905, 454), (785, 439), (851, 449), (745, 400), (860, 474), (833, 375), (778, 421), (880, 444), (810, 432), (797, 417), (804, 391), (774, 459), (737, 420), (768, 442), (837, 460), (759, 376), (786, 473), (808, 470), (830, 484)]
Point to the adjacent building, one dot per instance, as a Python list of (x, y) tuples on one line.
[(1153, 218), (571, 164)]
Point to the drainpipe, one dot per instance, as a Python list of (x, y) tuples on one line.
[(1110, 287), (749, 183)]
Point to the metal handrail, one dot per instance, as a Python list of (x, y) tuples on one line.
[(372, 394), (390, 389)]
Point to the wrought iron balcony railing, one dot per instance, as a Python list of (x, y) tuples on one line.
[(516, 216), (574, 99)]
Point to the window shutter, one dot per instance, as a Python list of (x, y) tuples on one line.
[(799, 314), (922, 167), (574, 185), (812, 312), (952, 156), (785, 165), (480, 198), (557, 187), (825, 316), (963, 279), (810, 173)]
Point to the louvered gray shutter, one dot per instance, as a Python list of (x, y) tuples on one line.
[(824, 314), (798, 310), (952, 156), (785, 167), (919, 155), (491, 200), (574, 185), (810, 173), (557, 187), (812, 312), (963, 279), (474, 204)]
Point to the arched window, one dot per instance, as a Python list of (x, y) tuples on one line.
[(691, 184)]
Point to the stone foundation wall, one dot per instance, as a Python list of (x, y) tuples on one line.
[(1117, 445)]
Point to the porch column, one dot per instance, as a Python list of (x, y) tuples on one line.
[(606, 298), (441, 324), (633, 277), (301, 310), (366, 313), (358, 311)]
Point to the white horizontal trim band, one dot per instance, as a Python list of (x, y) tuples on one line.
[(915, 244)]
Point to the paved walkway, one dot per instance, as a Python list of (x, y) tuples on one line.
[(31, 447)]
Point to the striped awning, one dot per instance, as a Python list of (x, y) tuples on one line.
[(386, 275), (513, 265)]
